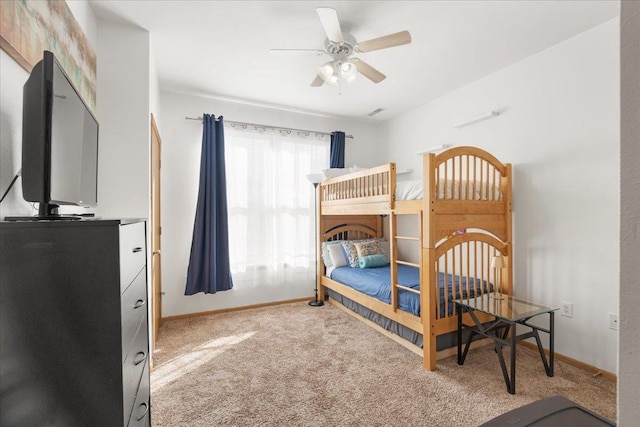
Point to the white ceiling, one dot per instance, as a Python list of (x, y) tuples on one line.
[(221, 48)]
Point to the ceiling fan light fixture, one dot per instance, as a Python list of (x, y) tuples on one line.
[(328, 69), (332, 81), (348, 71), (346, 66), (329, 74), (343, 69)]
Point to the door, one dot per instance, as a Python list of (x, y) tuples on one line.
[(156, 230)]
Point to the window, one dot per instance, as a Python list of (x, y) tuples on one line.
[(271, 205)]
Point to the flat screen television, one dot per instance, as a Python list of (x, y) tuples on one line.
[(59, 142)]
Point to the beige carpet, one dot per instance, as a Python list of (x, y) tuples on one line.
[(295, 365)]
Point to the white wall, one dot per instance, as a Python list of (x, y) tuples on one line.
[(629, 377), (123, 106), (12, 78), (154, 84), (181, 142), (559, 129)]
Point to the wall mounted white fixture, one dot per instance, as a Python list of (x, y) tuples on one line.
[(485, 116)]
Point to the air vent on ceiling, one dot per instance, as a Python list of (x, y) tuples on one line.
[(374, 112)]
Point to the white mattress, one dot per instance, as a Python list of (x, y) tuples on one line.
[(409, 190)]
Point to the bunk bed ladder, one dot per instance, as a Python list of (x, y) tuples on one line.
[(394, 261)]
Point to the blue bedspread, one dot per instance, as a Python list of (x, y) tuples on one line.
[(375, 283)]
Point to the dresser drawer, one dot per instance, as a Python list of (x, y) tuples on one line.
[(134, 309), (133, 254), (141, 414), (133, 366)]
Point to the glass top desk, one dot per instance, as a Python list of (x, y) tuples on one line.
[(507, 313)]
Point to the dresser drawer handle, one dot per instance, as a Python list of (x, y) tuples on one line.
[(137, 249), (146, 409), (139, 303), (140, 357)]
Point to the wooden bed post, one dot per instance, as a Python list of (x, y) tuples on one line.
[(427, 272), (393, 264), (429, 195), (429, 314), (508, 223)]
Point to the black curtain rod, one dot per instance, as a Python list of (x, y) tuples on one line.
[(269, 127)]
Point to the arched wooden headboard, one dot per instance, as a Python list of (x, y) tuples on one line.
[(468, 257), (351, 227)]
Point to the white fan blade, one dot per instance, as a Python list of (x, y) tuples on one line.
[(329, 19), (307, 52), (368, 71), (397, 39), (318, 81)]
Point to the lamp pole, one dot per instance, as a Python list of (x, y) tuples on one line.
[(315, 302)]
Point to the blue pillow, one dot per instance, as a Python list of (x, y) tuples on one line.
[(370, 261)]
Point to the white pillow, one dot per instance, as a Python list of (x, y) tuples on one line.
[(325, 252), (337, 256), (355, 168), (334, 172)]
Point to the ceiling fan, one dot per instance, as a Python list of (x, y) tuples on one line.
[(340, 46)]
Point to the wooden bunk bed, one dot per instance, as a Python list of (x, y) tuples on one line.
[(465, 219)]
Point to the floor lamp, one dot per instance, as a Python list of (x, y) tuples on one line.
[(315, 179)]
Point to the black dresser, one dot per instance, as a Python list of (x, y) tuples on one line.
[(74, 324)]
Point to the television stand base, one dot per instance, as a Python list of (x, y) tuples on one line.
[(44, 218)]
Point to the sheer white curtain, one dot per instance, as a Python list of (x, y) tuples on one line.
[(271, 205)]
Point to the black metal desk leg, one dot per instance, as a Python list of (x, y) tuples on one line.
[(512, 383), (477, 329), (547, 369), (459, 334), (550, 344), (503, 366), (505, 334)]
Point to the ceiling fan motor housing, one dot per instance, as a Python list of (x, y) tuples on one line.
[(340, 51)]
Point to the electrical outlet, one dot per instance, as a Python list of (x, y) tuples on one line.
[(613, 321), (566, 309)]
